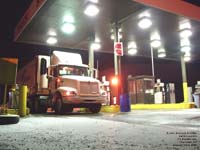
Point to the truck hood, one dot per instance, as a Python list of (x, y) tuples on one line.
[(80, 78)]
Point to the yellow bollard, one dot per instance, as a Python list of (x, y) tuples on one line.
[(22, 100), (185, 92)]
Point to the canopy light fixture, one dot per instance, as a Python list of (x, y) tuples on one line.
[(132, 48), (68, 27), (161, 53), (52, 32), (185, 24), (187, 58), (144, 20), (155, 40), (94, 1), (95, 46), (185, 29), (185, 49), (112, 36), (68, 18), (185, 33), (155, 43), (51, 40), (132, 51), (91, 9), (185, 45)]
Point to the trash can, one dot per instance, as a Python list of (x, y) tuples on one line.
[(124, 103), (196, 100)]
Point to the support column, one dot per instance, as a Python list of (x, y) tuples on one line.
[(184, 79), (91, 61), (117, 65), (152, 63), (4, 99)]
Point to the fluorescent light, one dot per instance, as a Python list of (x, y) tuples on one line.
[(132, 51), (69, 19), (155, 36), (91, 10), (184, 25), (155, 40), (132, 44), (161, 50), (132, 48), (144, 23), (187, 54), (156, 43), (185, 33), (161, 55), (68, 27), (52, 32), (51, 40), (185, 42), (112, 36), (187, 58), (95, 46), (185, 49), (94, 1)]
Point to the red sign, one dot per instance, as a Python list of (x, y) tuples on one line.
[(118, 48)]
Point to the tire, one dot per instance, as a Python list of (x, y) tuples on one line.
[(9, 119), (58, 104), (36, 108), (95, 108)]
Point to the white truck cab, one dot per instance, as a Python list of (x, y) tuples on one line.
[(68, 83)]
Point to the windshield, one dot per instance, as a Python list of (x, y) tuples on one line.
[(72, 70)]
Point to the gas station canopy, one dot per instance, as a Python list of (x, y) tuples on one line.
[(45, 19)]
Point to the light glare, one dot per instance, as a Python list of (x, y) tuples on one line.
[(68, 28), (51, 40), (132, 51), (91, 10), (95, 46), (156, 43), (187, 58), (185, 33), (144, 23)]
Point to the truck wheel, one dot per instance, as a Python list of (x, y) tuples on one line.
[(34, 106), (95, 108), (58, 105)]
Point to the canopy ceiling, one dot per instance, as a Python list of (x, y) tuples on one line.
[(50, 17)]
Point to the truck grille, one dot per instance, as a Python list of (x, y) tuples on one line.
[(89, 88)]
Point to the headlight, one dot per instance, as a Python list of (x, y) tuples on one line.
[(70, 93)]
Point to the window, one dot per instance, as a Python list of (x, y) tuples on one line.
[(72, 70)]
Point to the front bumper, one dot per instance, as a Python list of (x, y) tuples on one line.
[(84, 99)]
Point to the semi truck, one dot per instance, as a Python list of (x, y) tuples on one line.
[(61, 82)]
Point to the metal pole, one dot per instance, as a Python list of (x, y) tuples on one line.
[(4, 99), (116, 58), (117, 64), (91, 61), (152, 62), (184, 79)]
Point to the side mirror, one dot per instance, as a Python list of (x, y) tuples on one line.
[(43, 66)]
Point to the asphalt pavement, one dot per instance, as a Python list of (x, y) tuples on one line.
[(136, 130)]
